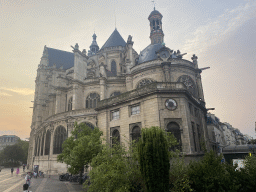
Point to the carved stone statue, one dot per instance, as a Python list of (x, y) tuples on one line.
[(129, 40), (84, 51)]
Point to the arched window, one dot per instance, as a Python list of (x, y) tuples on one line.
[(38, 147), (174, 128), (157, 24), (47, 143), (116, 93), (70, 102), (144, 82), (59, 137), (89, 125), (115, 137), (92, 100), (36, 144), (136, 133), (42, 146), (113, 67)]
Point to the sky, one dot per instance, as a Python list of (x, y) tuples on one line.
[(221, 33)]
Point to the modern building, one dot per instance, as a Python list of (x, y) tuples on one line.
[(119, 91), (6, 140)]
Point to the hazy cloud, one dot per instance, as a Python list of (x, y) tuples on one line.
[(216, 31), (5, 94), (21, 91)]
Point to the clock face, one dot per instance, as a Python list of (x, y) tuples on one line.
[(171, 104)]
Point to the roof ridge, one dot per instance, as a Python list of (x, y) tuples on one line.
[(59, 50)]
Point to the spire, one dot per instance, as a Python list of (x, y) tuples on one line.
[(94, 48), (156, 32)]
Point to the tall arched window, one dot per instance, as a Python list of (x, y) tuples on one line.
[(115, 137), (59, 137), (47, 143), (38, 146), (136, 133), (92, 100), (144, 82), (113, 67), (174, 128), (70, 102), (42, 146)]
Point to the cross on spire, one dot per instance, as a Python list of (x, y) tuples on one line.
[(154, 4)]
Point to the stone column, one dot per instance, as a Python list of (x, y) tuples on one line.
[(198, 78), (166, 68), (52, 140), (129, 83), (102, 88), (75, 104), (200, 86), (58, 102), (70, 128)]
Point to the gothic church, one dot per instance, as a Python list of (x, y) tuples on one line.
[(119, 91)]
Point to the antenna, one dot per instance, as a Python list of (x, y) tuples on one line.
[(153, 4)]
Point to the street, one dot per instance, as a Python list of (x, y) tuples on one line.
[(9, 183)]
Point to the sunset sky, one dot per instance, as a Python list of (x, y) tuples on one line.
[(222, 33)]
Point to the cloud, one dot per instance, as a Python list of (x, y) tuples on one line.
[(5, 94), (216, 31), (21, 91)]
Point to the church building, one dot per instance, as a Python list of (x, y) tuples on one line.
[(119, 91)]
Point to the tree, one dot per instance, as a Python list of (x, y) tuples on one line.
[(79, 149), (115, 169), (210, 174), (14, 155), (154, 159)]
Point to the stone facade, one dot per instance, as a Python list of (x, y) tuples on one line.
[(119, 91)]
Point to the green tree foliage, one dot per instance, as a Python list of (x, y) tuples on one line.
[(210, 174), (115, 169), (79, 149), (14, 155), (179, 179), (154, 159), (247, 175)]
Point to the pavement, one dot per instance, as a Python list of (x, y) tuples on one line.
[(9, 183)]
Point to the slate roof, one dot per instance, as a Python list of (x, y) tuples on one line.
[(115, 39), (149, 53), (60, 58)]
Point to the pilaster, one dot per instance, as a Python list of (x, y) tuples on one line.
[(102, 88), (129, 83)]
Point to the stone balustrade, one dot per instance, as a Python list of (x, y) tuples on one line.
[(145, 90)]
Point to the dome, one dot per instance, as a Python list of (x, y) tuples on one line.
[(149, 53), (155, 12)]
